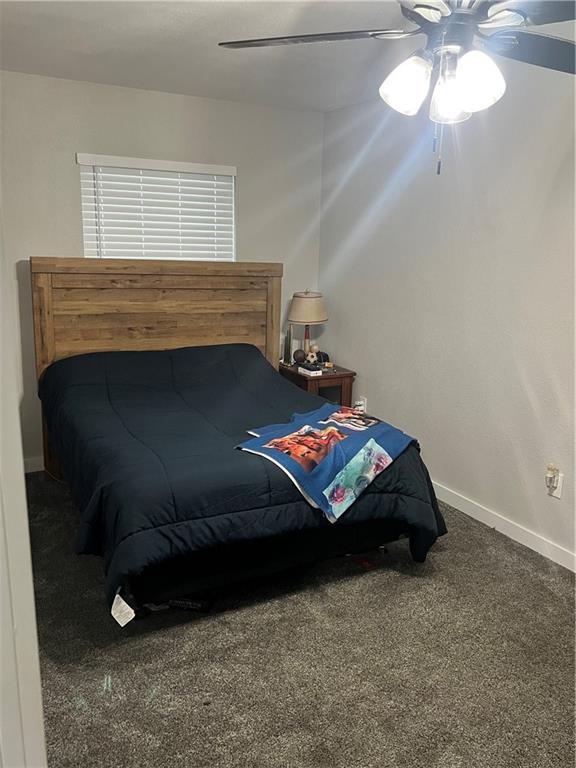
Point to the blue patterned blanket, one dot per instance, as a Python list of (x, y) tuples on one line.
[(331, 454)]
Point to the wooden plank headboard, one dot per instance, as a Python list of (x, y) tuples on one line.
[(100, 305)]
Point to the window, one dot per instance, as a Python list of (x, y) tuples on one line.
[(135, 208)]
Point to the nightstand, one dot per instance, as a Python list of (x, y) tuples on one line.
[(336, 377)]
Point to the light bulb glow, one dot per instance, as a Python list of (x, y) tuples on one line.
[(407, 86), (480, 81), (466, 84), (446, 104)]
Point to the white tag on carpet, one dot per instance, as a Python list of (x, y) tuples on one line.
[(121, 611)]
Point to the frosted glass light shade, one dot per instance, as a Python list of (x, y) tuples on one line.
[(407, 86), (446, 105), (307, 308), (480, 81)]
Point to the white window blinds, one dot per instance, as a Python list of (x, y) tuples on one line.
[(157, 212)]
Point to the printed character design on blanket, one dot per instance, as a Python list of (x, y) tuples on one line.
[(308, 446), (356, 476), (351, 418), (331, 454)]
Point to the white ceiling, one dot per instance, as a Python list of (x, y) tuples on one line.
[(172, 46)]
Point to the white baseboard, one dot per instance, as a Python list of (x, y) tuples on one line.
[(509, 528), (33, 464)]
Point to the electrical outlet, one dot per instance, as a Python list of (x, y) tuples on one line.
[(361, 403), (557, 492)]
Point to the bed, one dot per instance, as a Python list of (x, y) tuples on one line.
[(150, 373)]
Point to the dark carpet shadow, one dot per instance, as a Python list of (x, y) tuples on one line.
[(69, 587)]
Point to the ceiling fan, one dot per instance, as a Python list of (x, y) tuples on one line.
[(467, 80)]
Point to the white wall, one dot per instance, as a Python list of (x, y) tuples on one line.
[(46, 121), (452, 296)]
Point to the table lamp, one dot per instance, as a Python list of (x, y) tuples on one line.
[(307, 308)]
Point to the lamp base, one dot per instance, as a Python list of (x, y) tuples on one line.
[(306, 339)]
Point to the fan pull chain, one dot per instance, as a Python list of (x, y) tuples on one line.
[(439, 131), (441, 141), (437, 142)]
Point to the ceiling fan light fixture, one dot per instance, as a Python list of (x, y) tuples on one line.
[(407, 86), (446, 104), (480, 81)]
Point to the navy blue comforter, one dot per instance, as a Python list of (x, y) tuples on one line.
[(147, 443)]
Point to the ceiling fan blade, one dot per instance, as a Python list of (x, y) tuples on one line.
[(532, 48), (548, 11), (428, 12), (326, 37), (504, 18), (414, 17), (536, 12)]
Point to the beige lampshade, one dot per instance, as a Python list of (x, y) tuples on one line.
[(307, 308)]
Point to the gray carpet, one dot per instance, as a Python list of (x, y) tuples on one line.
[(363, 662)]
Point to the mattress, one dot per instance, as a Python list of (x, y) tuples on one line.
[(146, 441)]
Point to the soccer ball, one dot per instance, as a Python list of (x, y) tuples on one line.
[(311, 358)]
